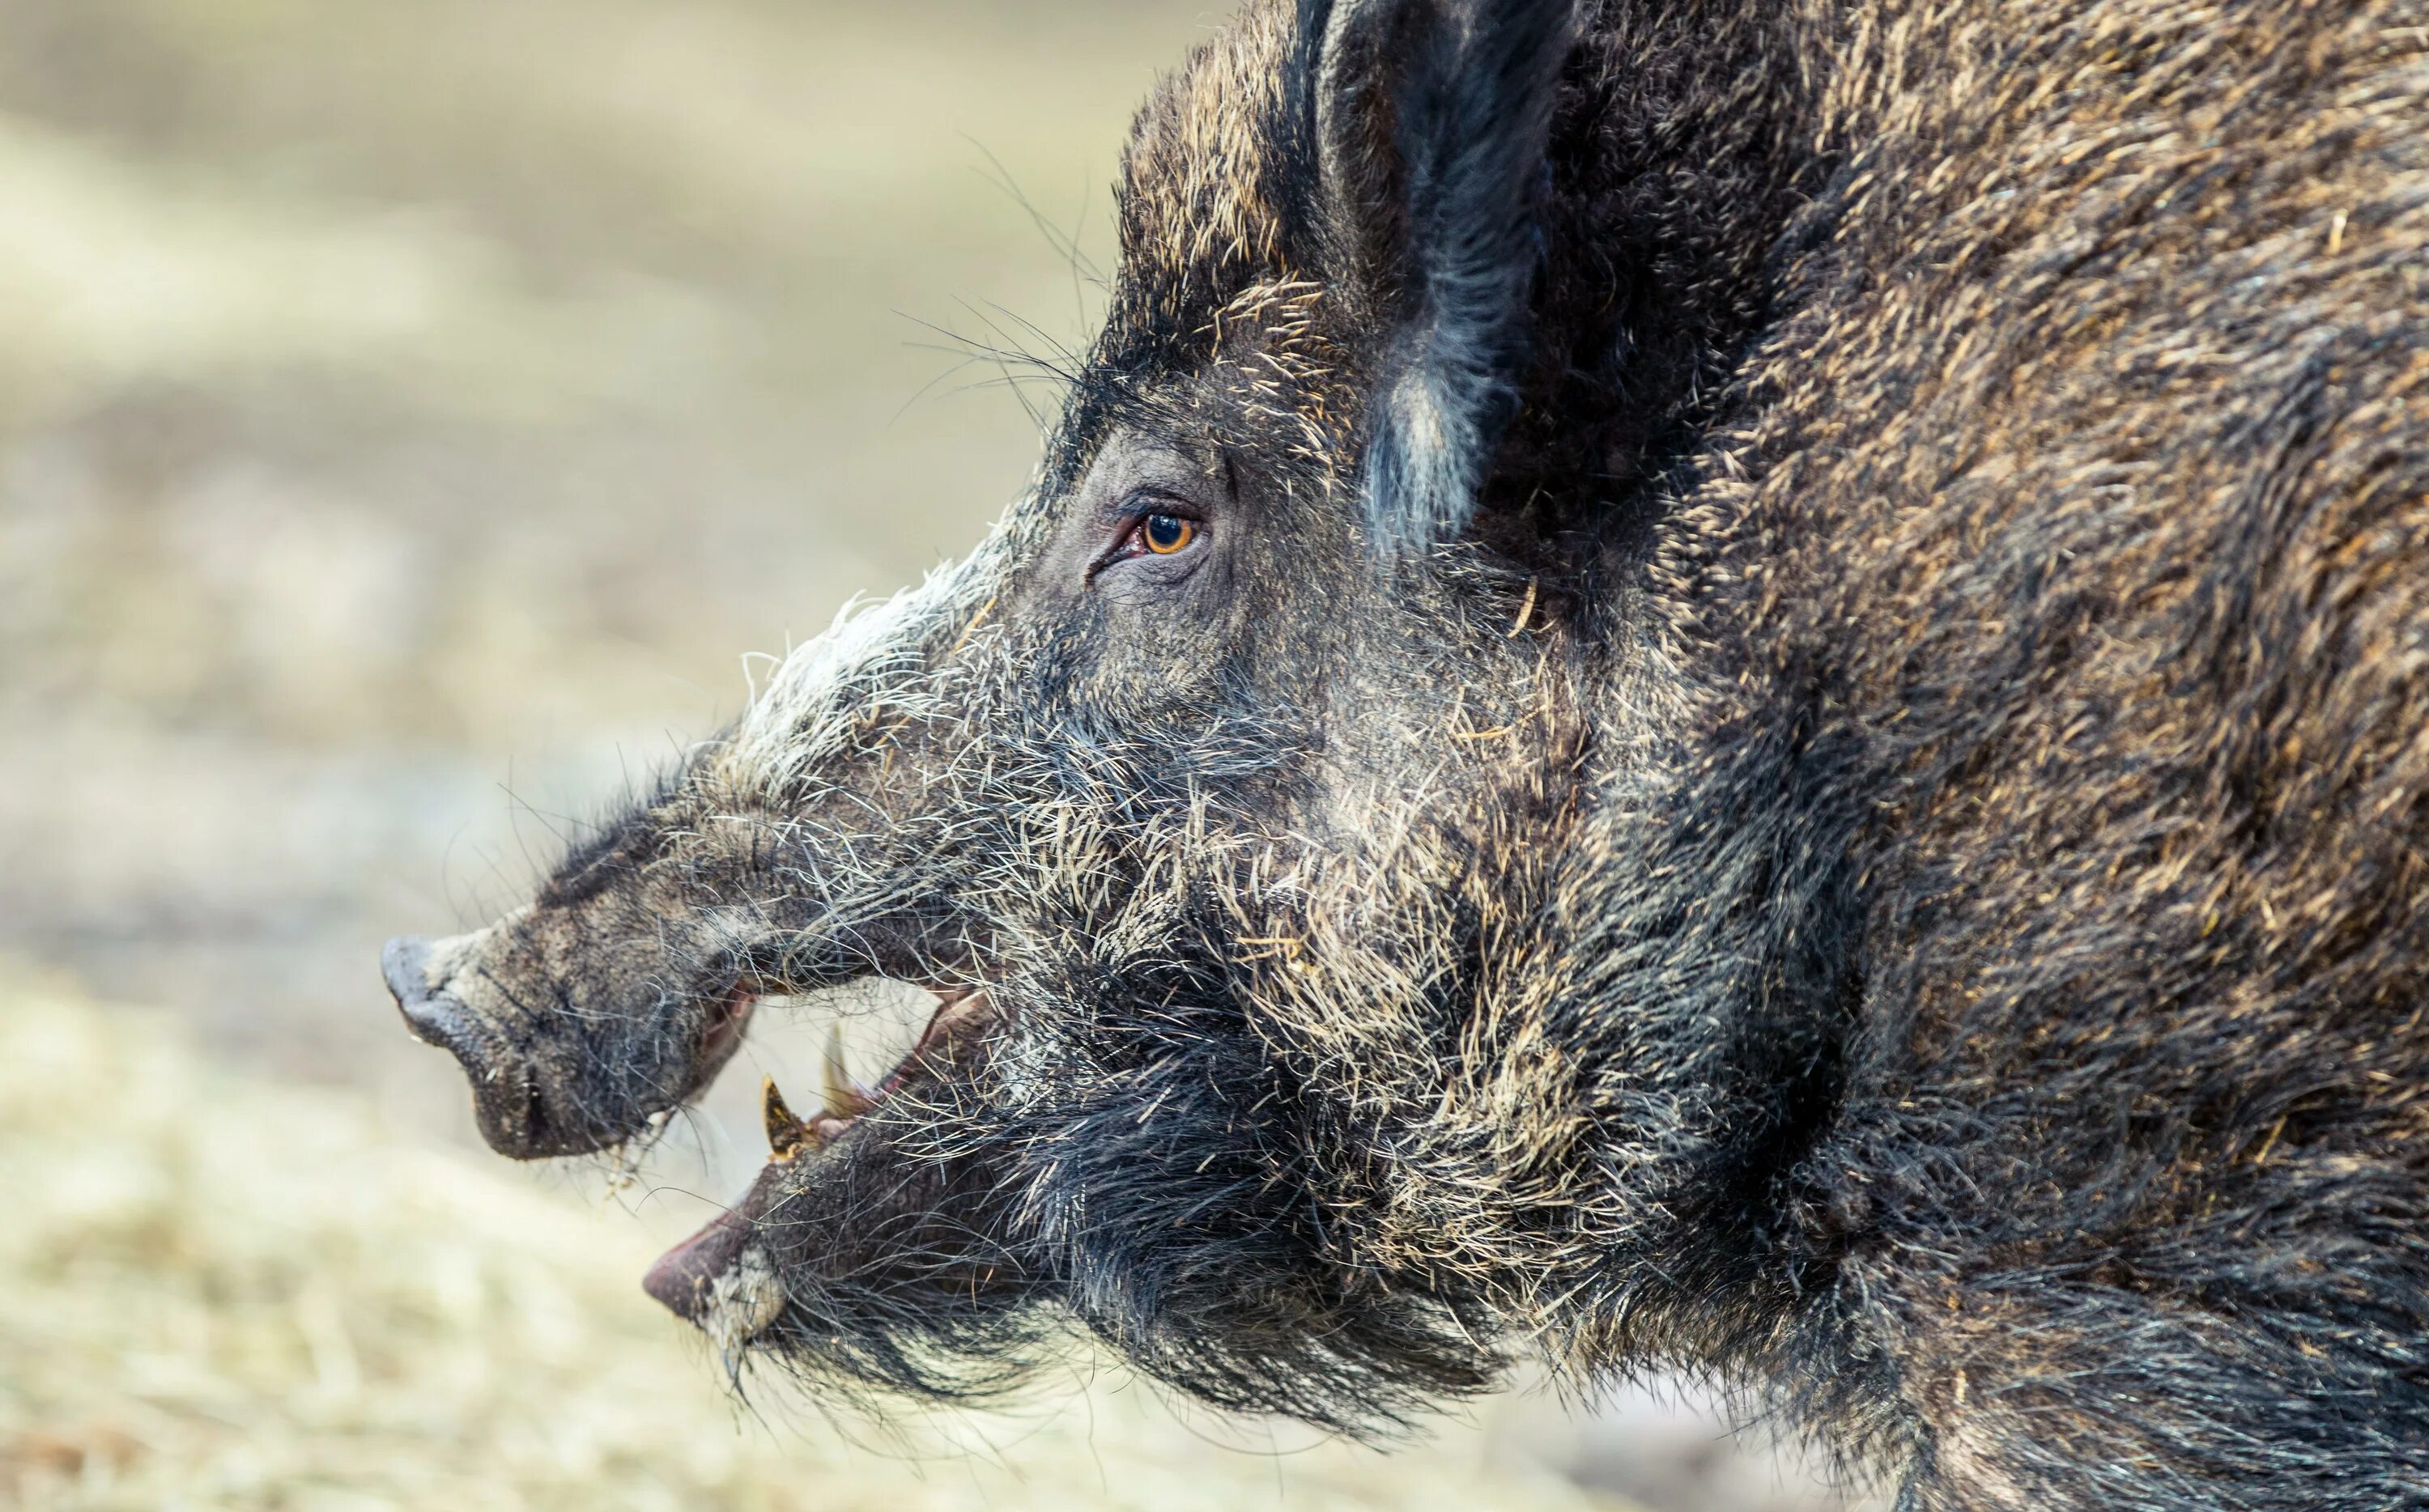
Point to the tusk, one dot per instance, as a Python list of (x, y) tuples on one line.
[(846, 1098), (786, 1134)]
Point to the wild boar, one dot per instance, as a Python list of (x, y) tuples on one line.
[(1724, 685)]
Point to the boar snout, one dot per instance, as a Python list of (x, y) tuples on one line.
[(506, 1101), (432, 1020)]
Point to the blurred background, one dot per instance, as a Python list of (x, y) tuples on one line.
[(410, 411)]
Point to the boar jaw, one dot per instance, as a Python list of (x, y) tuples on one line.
[(722, 1278)]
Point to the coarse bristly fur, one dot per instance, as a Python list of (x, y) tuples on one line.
[(1786, 737)]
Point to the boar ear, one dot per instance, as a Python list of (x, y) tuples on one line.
[(1430, 121)]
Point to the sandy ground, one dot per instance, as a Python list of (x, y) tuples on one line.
[(410, 414)]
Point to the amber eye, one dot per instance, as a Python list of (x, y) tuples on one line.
[(1166, 534)]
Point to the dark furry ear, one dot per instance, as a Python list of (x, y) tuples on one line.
[(1430, 123)]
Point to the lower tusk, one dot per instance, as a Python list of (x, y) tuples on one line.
[(786, 1133)]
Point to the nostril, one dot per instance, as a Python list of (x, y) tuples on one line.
[(506, 1097), (435, 1022), (432, 1021), (403, 962), (433, 1018)]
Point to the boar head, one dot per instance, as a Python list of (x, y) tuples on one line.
[(1230, 796)]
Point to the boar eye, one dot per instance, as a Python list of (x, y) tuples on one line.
[(1165, 533), (1154, 533)]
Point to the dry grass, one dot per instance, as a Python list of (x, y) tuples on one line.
[(223, 1293)]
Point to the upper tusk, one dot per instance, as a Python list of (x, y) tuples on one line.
[(845, 1097)]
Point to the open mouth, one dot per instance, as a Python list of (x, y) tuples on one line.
[(722, 1278)]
